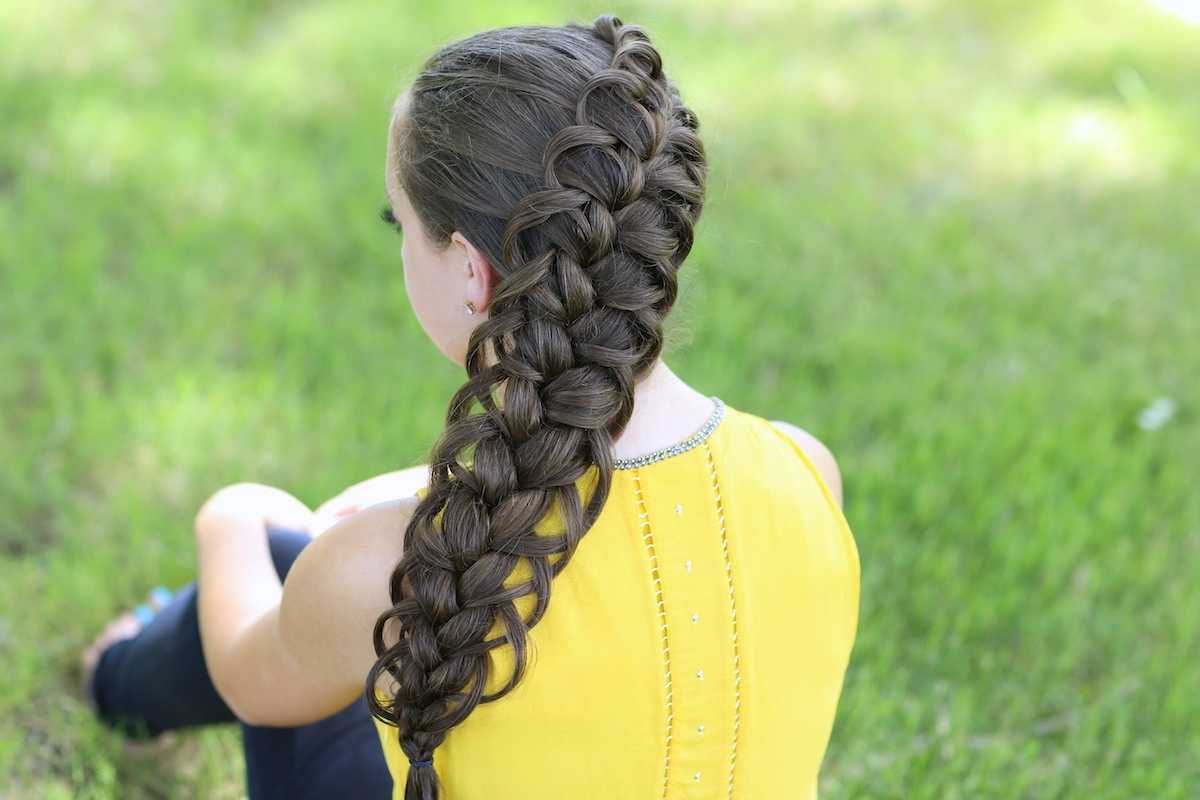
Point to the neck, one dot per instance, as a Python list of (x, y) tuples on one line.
[(666, 411)]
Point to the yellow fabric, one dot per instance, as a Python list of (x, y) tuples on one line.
[(638, 649)]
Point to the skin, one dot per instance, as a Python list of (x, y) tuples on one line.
[(283, 655)]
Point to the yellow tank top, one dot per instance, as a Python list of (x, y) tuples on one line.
[(694, 647)]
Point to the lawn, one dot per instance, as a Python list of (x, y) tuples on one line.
[(959, 241)]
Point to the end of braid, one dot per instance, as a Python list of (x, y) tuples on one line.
[(422, 782)]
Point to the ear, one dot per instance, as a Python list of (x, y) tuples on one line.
[(481, 278)]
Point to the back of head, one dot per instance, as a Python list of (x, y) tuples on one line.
[(566, 157)]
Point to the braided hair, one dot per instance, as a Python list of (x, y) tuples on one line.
[(567, 158)]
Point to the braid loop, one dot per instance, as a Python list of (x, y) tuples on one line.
[(566, 156)]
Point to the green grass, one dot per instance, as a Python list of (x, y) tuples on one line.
[(957, 240)]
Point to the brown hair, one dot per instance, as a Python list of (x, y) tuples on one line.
[(567, 158)]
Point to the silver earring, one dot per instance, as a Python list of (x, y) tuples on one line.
[(469, 306)]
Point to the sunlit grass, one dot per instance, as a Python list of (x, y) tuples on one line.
[(957, 241)]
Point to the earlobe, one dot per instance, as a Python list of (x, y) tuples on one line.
[(481, 278)]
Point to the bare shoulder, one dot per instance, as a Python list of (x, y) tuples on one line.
[(339, 587), (359, 554), (818, 454), (375, 532)]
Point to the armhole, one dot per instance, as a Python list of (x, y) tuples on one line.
[(810, 466), (816, 476), (847, 537)]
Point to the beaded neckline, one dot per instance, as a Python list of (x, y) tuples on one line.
[(659, 455)]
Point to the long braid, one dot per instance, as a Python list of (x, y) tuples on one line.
[(585, 207)]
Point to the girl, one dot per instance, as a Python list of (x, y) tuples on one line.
[(610, 585)]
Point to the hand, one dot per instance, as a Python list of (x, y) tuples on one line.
[(259, 505), (380, 489)]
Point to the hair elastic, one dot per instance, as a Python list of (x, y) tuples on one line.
[(420, 764)]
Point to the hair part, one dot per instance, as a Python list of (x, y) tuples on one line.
[(567, 158)]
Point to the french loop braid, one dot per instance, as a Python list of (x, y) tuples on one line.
[(566, 156)]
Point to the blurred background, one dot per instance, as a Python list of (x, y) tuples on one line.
[(958, 241)]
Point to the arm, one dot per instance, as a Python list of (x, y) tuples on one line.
[(818, 454), (292, 654)]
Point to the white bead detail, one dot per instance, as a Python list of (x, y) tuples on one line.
[(697, 776), (682, 447), (701, 730), (700, 674), (679, 510), (695, 617)]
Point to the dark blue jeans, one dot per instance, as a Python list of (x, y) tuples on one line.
[(158, 681)]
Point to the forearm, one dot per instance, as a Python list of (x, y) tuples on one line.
[(238, 582)]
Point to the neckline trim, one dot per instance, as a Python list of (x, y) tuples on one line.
[(696, 440)]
